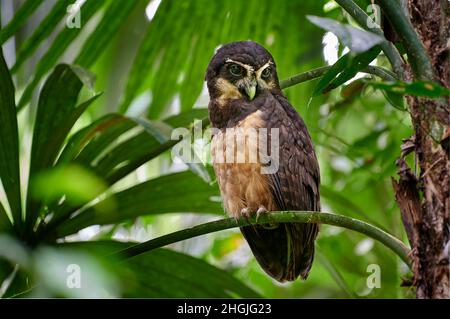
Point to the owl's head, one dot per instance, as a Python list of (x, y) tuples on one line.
[(241, 70)]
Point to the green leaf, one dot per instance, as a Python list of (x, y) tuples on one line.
[(356, 40), (56, 114), (157, 274), (82, 149), (137, 150), (162, 133), (358, 63), (20, 17), (182, 37), (112, 20), (5, 223), (96, 148), (331, 74), (396, 100), (418, 88), (146, 54), (185, 118), (20, 284), (88, 143), (59, 45), (345, 69), (165, 194), (9, 143), (52, 264), (41, 33), (72, 181), (6, 269), (159, 130)]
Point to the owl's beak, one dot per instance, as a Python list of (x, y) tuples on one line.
[(250, 89)]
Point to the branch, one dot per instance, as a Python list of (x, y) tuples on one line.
[(382, 73), (418, 58), (316, 73), (304, 77), (388, 48), (386, 239)]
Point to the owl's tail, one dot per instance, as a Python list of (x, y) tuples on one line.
[(284, 251)]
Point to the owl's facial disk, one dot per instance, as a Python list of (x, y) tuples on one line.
[(238, 79)]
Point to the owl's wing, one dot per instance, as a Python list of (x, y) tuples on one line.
[(296, 183), (288, 251)]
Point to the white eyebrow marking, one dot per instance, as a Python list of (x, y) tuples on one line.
[(249, 68), (261, 69)]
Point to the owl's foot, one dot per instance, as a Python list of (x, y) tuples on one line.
[(246, 212), (261, 210)]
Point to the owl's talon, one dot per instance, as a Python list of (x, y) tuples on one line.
[(246, 212), (261, 210)]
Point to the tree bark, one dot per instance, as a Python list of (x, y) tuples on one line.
[(424, 198)]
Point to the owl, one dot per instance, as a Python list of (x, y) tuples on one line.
[(256, 128)]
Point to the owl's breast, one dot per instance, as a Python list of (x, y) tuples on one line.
[(237, 162)]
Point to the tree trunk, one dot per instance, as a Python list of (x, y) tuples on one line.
[(424, 197)]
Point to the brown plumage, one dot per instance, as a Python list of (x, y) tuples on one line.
[(245, 95)]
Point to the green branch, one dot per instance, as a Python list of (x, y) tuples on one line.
[(274, 217), (316, 73), (418, 58), (304, 77), (382, 73), (388, 48)]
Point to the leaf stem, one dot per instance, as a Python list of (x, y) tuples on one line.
[(388, 48), (304, 77), (382, 73), (418, 58), (386, 239), (316, 73)]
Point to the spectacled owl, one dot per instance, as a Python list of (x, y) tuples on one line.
[(245, 95)]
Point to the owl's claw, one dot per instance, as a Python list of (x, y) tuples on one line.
[(246, 213), (261, 210)]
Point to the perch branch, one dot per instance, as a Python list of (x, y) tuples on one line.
[(386, 239)]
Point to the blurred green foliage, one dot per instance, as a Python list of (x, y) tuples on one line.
[(149, 60)]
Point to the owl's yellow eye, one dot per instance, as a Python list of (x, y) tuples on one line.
[(236, 70), (266, 73)]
